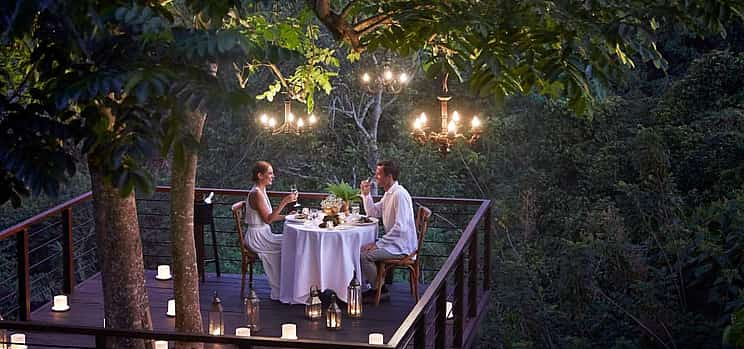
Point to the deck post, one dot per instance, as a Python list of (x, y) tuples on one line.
[(473, 276), (441, 316), (419, 339), (68, 251), (100, 341), (458, 306), (487, 250), (24, 279)]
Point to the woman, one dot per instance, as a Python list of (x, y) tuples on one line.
[(259, 214)]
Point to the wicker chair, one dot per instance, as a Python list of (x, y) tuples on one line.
[(249, 257), (410, 262)]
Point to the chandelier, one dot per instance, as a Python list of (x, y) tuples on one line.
[(291, 125), (386, 80), (450, 131)]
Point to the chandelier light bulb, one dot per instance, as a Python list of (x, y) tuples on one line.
[(300, 123), (475, 123), (451, 128), (455, 116), (403, 78), (417, 124), (312, 119), (290, 117), (366, 78), (264, 119), (423, 118), (272, 122), (388, 75)]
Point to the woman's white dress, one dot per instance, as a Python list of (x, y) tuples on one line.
[(266, 244)]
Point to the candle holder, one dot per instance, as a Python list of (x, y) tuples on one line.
[(164, 273), (354, 298), (3, 336), (216, 322), (252, 311), (313, 308), (161, 344), (333, 316), (376, 338), (243, 332), (289, 331), (60, 304), (171, 312), (18, 340)]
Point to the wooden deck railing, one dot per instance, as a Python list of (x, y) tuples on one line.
[(464, 276)]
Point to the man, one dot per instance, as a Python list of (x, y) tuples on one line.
[(396, 210)]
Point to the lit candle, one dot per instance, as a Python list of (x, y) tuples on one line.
[(264, 119), (312, 119), (417, 124), (300, 123), (290, 117), (272, 122), (388, 75), (451, 128), (171, 308), (18, 340), (423, 118), (365, 77), (60, 303), (216, 332), (448, 311), (243, 332), (403, 78), (375, 338), (455, 116), (161, 344), (289, 331), (163, 272), (475, 123)]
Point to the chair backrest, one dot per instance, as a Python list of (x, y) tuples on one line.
[(422, 224), (237, 209)]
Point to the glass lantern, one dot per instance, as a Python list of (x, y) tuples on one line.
[(313, 307), (3, 336), (216, 323), (333, 316), (354, 298), (251, 311)]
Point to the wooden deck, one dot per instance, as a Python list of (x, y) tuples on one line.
[(87, 310)]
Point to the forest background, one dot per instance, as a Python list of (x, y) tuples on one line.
[(621, 228)]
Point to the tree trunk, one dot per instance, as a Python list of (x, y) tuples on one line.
[(373, 150), (186, 275), (125, 301)]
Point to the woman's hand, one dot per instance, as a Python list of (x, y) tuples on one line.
[(289, 199)]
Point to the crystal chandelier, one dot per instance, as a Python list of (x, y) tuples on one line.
[(450, 131), (292, 124), (387, 80)]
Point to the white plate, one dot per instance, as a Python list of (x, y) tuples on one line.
[(293, 218), (374, 221)]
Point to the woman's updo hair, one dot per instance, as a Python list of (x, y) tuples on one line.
[(261, 167)]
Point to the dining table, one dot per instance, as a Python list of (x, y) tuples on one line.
[(326, 258)]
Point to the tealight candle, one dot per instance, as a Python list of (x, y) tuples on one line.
[(163, 272), (243, 332), (161, 344), (60, 303), (448, 311), (375, 338), (289, 331), (171, 308), (18, 340)]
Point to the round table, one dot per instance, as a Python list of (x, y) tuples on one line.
[(327, 258)]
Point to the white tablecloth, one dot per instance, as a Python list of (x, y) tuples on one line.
[(313, 256)]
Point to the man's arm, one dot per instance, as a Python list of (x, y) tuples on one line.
[(373, 209)]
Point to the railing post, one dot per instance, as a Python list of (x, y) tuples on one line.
[(100, 341), (419, 339), (487, 250), (68, 251), (473, 276), (441, 316), (24, 279), (458, 307)]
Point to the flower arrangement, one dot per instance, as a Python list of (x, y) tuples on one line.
[(345, 192)]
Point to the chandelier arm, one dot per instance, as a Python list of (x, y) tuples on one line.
[(391, 101)]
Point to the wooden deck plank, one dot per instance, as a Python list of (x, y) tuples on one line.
[(87, 310)]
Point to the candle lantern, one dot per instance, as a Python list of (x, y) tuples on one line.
[(333, 316), (3, 336), (216, 324), (171, 312), (60, 303), (354, 298), (313, 308), (251, 311)]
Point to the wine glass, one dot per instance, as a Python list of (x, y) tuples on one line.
[(293, 189)]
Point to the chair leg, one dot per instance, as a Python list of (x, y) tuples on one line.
[(381, 271), (242, 278), (250, 273), (414, 283)]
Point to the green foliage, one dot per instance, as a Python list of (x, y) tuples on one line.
[(344, 191)]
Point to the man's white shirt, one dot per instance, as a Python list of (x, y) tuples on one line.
[(396, 210)]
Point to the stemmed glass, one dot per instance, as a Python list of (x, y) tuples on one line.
[(293, 189)]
